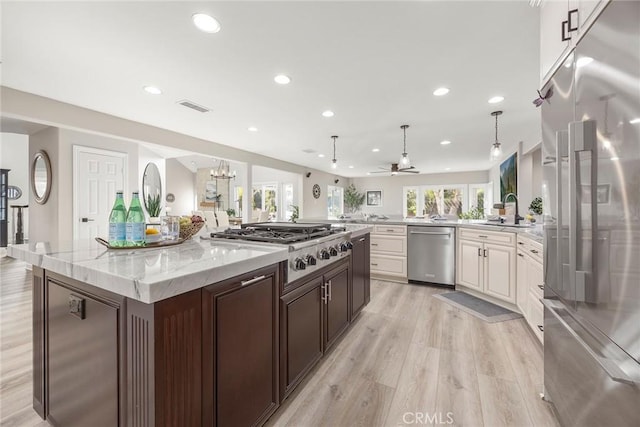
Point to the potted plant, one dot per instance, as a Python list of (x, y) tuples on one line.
[(295, 214), (353, 199), (153, 208), (535, 208)]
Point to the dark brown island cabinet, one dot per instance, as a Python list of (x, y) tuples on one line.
[(223, 355)]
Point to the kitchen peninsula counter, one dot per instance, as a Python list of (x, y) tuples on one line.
[(149, 275)]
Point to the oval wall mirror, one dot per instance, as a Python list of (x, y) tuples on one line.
[(41, 177), (152, 190)]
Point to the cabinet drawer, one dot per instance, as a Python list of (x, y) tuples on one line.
[(535, 315), (390, 229), (530, 247), (389, 265), (390, 245), (500, 238)]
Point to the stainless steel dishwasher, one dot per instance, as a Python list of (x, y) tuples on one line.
[(431, 254)]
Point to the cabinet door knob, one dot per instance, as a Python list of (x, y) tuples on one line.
[(541, 328)]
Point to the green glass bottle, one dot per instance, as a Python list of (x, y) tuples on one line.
[(117, 222), (135, 222)]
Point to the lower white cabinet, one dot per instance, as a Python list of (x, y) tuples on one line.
[(530, 286), (489, 268), (388, 258)]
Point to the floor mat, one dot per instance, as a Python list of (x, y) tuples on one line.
[(477, 307)]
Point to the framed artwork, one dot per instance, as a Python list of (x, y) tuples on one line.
[(210, 191), (509, 176), (374, 198), (603, 194)]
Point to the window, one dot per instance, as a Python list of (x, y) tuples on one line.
[(335, 201), (265, 197), (237, 200), (428, 200), (287, 201)]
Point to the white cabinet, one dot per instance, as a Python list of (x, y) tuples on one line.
[(487, 263), (568, 19), (388, 246), (530, 284), (500, 272)]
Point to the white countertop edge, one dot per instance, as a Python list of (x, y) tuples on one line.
[(154, 288)]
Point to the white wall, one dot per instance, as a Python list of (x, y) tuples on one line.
[(391, 187), (14, 155), (317, 208), (181, 182)]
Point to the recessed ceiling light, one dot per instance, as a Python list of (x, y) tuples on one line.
[(441, 91), (368, 173), (328, 113), (496, 99), (445, 142), (635, 121), (152, 90), (375, 150), (282, 79), (447, 169), (320, 155), (615, 158), (350, 166), (252, 129), (582, 61), (206, 23)]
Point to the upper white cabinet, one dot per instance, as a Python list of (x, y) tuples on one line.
[(562, 24)]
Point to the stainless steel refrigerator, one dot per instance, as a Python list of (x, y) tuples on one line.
[(591, 191)]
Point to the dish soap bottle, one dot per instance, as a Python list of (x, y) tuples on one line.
[(117, 222), (135, 222)]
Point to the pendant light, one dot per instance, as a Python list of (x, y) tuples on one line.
[(334, 161), (496, 150), (404, 160)]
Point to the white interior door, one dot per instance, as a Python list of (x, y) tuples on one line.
[(98, 174)]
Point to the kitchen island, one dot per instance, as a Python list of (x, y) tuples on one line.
[(187, 335), (153, 337)]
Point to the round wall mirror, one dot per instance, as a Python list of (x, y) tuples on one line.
[(41, 177), (152, 189)]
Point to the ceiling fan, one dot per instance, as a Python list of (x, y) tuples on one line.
[(395, 170)]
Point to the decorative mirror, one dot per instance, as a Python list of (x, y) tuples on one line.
[(152, 189), (41, 177)]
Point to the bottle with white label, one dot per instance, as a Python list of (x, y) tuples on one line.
[(135, 222), (117, 222)]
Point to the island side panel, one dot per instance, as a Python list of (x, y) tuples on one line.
[(38, 341), (140, 365), (178, 360)]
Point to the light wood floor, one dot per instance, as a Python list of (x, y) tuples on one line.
[(408, 358)]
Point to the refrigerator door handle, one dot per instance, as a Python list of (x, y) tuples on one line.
[(609, 366), (562, 153), (582, 138)]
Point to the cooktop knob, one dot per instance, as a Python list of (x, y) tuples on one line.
[(344, 247), (310, 259), (333, 251), (349, 244), (299, 264), (324, 254)]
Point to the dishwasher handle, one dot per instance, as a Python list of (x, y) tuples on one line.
[(431, 233)]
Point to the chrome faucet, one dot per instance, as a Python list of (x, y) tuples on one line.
[(517, 216)]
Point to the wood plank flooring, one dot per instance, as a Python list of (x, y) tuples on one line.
[(409, 359)]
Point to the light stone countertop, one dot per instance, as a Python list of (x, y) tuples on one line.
[(534, 232), (150, 275)]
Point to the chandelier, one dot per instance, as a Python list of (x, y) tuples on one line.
[(222, 171)]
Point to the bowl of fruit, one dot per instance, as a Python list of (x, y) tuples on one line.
[(190, 225)]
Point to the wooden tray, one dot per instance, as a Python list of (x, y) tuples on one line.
[(153, 245)]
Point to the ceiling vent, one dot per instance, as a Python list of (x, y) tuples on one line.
[(308, 151), (194, 106)]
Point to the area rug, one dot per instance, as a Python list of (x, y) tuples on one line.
[(477, 307)]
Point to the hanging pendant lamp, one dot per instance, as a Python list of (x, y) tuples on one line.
[(404, 159), (334, 161), (496, 149)]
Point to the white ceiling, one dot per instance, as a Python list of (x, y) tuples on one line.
[(375, 64)]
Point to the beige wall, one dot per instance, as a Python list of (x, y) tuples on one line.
[(392, 186), (181, 183), (44, 223)]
